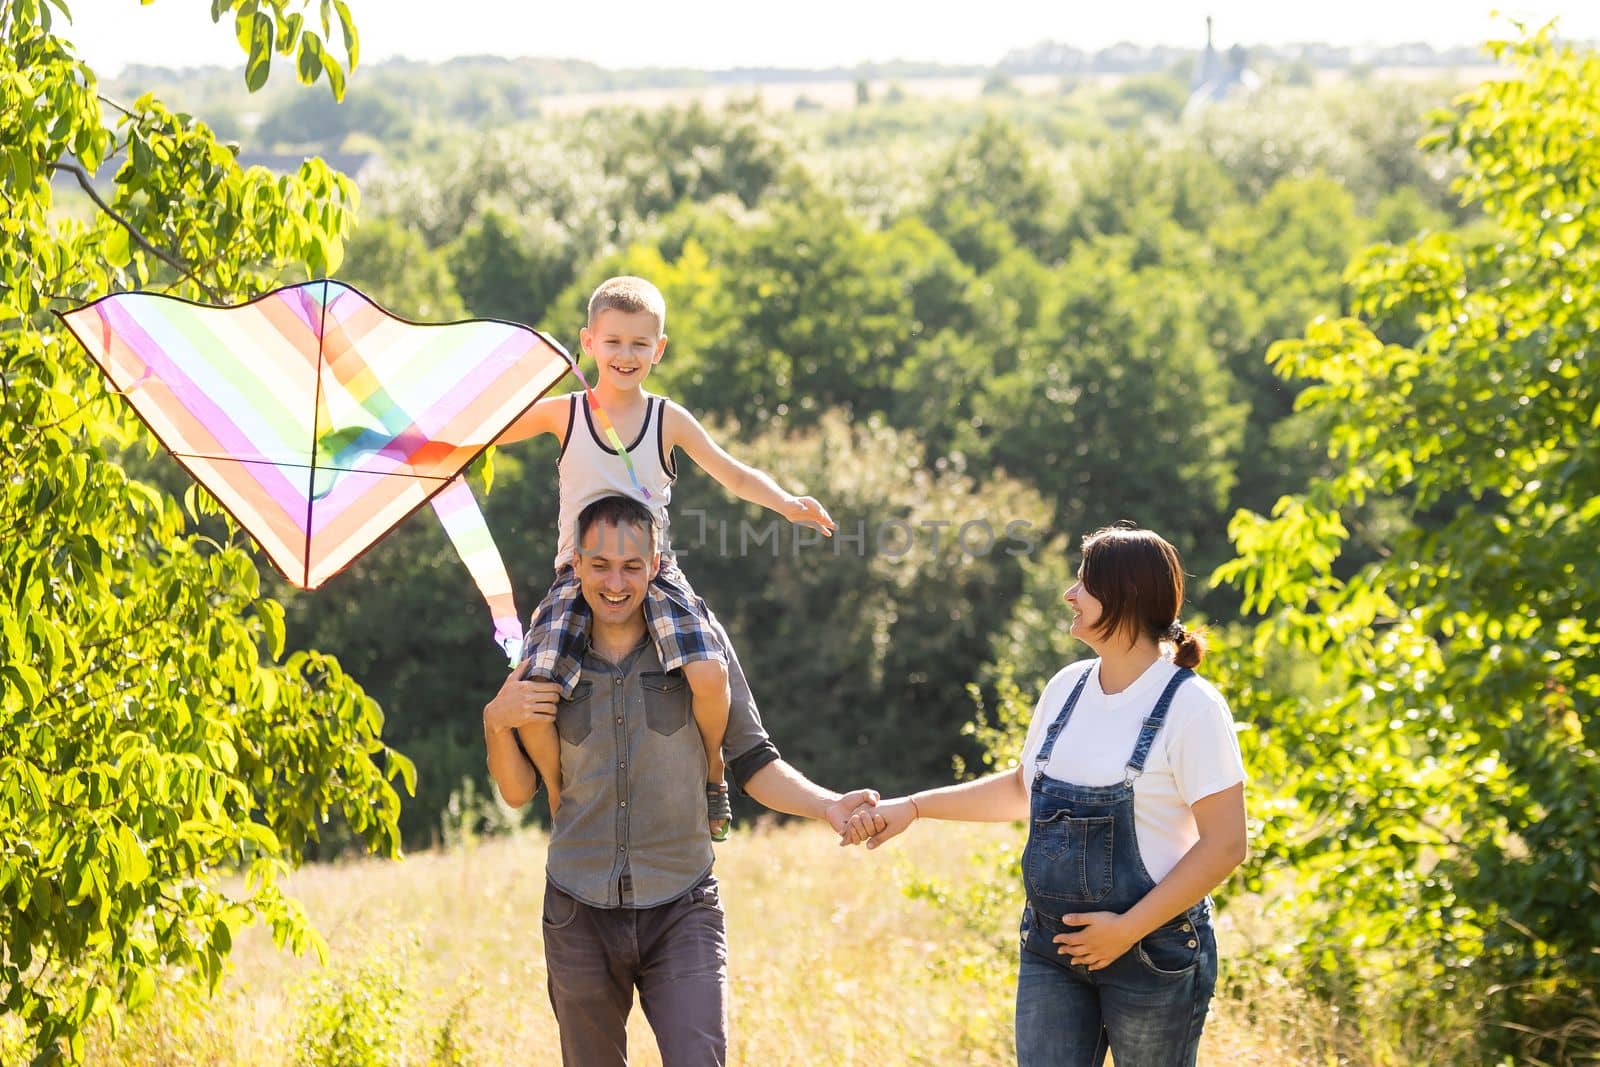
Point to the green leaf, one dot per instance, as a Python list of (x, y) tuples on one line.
[(308, 64), (259, 63), (116, 248), (142, 990), (271, 614), (336, 76), (27, 679), (135, 867), (406, 769), (347, 26)]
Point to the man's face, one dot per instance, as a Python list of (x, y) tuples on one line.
[(625, 345), (615, 565)]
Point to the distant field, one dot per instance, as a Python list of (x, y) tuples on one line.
[(832, 965), (839, 95)]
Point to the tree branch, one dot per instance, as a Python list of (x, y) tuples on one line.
[(104, 99), (77, 171)]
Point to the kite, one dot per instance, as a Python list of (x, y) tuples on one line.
[(320, 421)]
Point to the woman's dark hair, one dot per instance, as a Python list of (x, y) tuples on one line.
[(1138, 579)]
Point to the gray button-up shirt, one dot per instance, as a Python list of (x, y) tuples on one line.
[(632, 829)]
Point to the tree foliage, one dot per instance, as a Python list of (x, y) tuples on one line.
[(1437, 812), (154, 735)]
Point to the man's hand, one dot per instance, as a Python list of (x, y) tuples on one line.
[(896, 815), (853, 816), (1104, 937), (805, 511), (521, 703)]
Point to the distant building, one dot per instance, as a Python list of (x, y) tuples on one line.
[(1217, 79)]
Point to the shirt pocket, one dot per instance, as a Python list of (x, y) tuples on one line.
[(573, 718), (666, 701)]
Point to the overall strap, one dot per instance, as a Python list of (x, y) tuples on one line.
[(1152, 725), (1054, 731)]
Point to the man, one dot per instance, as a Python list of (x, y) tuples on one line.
[(629, 897)]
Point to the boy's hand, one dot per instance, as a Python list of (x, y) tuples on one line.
[(805, 511)]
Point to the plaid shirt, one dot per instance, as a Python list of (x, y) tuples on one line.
[(678, 621)]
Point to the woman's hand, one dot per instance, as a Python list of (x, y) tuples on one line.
[(854, 816), (1104, 938), (896, 815)]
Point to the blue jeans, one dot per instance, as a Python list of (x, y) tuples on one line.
[(1068, 1015)]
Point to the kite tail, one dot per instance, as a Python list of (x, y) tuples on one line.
[(462, 520)]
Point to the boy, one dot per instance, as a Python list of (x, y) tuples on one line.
[(626, 336)]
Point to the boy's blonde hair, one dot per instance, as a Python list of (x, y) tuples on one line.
[(629, 294)]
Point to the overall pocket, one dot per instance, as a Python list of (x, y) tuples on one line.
[(1170, 950), (573, 721), (1069, 859), (666, 701)]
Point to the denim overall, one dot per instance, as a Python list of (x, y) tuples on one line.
[(1149, 1005)]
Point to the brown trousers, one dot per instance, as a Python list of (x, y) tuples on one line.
[(676, 954)]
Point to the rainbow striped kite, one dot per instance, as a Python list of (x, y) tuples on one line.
[(320, 421)]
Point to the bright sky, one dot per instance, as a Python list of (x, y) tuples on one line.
[(717, 34)]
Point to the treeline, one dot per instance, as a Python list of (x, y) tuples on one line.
[(972, 350)]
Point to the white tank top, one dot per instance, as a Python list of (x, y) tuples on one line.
[(590, 469)]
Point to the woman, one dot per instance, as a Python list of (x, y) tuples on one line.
[(1133, 782)]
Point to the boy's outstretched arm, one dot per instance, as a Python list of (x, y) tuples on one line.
[(549, 415), (741, 479)]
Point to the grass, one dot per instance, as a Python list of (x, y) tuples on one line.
[(830, 961)]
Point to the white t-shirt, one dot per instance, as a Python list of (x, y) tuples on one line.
[(1195, 754)]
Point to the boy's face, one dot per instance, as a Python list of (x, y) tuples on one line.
[(626, 344)]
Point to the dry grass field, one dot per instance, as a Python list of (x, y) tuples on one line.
[(437, 960)]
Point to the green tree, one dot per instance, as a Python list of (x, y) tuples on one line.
[(304, 119), (1437, 813), (806, 310), (391, 264), (994, 174), (1131, 187), (511, 265), (1278, 264), (863, 644), (434, 674), (152, 739), (671, 155), (1114, 405)]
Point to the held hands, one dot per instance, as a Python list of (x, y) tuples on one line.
[(861, 818), (805, 511), (1104, 938), (896, 815), (853, 816), (522, 703)]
